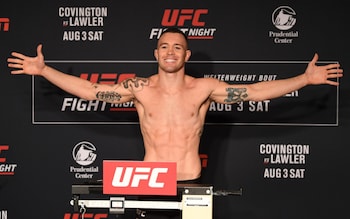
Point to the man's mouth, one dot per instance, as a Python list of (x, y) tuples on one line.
[(170, 60)]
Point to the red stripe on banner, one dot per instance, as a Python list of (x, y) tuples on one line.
[(200, 37), (7, 173), (122, 109)]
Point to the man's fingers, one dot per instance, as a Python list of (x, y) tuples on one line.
[(12, 60), (330, 66), (17, 72), (18, 55), (39, 49), (335, 75), (314, 59), (12, 65), (332, 83), (335, 71)]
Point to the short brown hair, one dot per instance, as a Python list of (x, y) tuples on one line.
[(174, 30)]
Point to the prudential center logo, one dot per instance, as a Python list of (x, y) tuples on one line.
[(84, 153), (284, 18)]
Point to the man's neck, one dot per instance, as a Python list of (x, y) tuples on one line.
[(171, 81)]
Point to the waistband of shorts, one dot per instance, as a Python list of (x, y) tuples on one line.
[(190, 181)]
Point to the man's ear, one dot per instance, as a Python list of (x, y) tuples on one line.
[(188, 55), (155, 53)]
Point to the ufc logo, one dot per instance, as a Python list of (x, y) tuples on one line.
[(4, 24), (139, 177), (177, 17), (132, 176), (106, 78), (86, 215)]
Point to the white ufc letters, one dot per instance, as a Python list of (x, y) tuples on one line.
[(132, 176)]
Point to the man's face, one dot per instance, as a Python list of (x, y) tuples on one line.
[(172, 52)]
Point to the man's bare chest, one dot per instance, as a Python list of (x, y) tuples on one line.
[(171, 106)]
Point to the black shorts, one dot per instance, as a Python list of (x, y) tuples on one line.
[(163, 213)]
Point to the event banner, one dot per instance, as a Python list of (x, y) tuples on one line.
[(310, 106)]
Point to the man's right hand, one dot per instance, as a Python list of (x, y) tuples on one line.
[(23, 64)]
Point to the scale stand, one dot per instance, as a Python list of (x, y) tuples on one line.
[(197, 201)]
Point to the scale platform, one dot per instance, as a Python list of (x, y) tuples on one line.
[(196, 200)]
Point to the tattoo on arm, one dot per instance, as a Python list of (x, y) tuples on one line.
[(235, 95), (108, 96), (136, 83), (111, 96)]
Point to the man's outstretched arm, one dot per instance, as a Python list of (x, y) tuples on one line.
[(313, 75), (85, 89)]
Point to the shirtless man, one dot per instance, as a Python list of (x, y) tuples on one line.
[(171, 105)]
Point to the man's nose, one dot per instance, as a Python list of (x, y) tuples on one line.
[(170, 51)]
